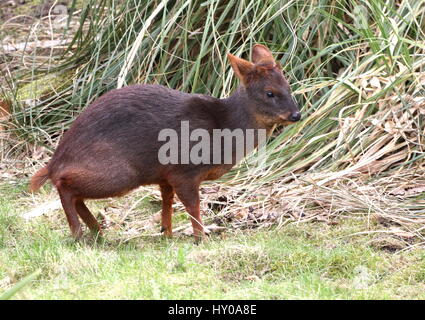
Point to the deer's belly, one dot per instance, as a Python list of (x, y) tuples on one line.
[(216, 172)]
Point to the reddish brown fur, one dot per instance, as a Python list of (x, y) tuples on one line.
[(39, 179), (112, 147)]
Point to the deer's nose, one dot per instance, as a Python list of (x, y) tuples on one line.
[(295, 116)]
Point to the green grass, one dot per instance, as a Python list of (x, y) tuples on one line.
[(298, 261)]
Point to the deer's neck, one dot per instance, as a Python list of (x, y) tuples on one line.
[(238, 110), (241, 112)]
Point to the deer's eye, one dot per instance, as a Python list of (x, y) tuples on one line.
[(270, 94)]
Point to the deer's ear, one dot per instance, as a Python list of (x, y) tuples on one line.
[(241, 67), (261, 54)]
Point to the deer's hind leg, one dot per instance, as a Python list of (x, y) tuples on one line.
[(87, 217), (69, 206), (76, 184)]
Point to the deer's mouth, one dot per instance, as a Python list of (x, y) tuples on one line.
[(285, 121)]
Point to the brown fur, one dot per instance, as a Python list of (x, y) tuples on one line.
[(112, 147), (39, 179)]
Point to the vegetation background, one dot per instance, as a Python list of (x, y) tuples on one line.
[(338, 209)]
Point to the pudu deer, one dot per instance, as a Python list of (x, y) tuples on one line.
[(112, 147)]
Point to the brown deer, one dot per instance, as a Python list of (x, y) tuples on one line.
[(112, 146)]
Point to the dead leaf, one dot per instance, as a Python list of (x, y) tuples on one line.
[(213, 228), (402, 233), (416, 190), (42, 209), (374, 82)]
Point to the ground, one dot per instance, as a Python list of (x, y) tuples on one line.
[(296, 261)]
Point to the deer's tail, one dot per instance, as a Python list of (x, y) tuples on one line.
[(40, 178)]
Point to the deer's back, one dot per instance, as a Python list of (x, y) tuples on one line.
[(121, 128)]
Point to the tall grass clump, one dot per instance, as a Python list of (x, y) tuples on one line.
[(356, 69)]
